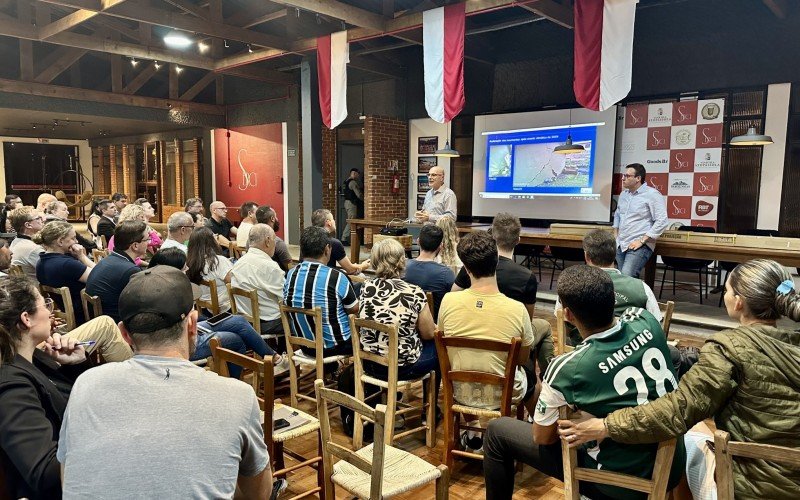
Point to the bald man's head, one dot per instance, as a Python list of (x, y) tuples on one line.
[(436, 177), (262, 237), (43, 200)]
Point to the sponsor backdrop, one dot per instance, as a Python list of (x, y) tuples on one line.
[(680, 145)]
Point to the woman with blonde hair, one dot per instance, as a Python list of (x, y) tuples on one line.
[(141, 212), (388, 299), (747, 379), (63, 263), (448, 255)]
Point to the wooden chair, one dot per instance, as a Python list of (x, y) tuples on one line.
[(561, 347), (429, 298), (667, 308), (93, 301), (98, 254), (295, 341), (213, 304), (656, 487), (103, 244), (454, 410), (725, 450), (66, 312), (263, 384), (15, 270), (391, 385), (376, 471), (235, 251), (252, 296)]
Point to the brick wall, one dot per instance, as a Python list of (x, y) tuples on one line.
[(329, 183), (385, 139), (300, 166)]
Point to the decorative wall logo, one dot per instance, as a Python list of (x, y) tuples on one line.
[(703, 208), (681, 160), (707, 160), (636, 116), (658, 182), (706, 184), (679, 185), (683, 137), (684, 113), (710, 111), (679, 207), (709, 136), (659, 115), (658, 138)]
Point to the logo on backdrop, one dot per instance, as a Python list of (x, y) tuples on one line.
[(679, 185), (683, 137), (709, 136), (681, 160), (684, 113), (249, 179), (679, 207), (706, 184), (658, 182), (710, 111), (703, 208), (657, 138), (636, 116)]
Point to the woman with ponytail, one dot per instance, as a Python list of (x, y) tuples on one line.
[(34, 387), (747, 379)]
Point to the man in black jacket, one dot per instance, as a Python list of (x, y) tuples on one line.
[(106, 225)]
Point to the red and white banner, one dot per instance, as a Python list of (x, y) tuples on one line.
[(443, 58), (680, 146), (333, 54), (603, 51)]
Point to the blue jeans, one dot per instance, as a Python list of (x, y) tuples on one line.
[(236, 334), (229, 340), (631, 262)]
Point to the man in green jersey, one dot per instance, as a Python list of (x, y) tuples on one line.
[(620, 363)]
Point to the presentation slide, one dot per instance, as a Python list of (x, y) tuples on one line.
[(516, 170)]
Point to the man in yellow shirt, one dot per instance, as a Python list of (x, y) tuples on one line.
[(482, 312)]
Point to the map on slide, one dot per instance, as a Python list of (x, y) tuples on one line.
[(536, 165)]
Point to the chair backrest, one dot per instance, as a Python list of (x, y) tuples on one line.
[(98, 254), (93, 301), (234, 250), (263, 380), (505, 381), (667, 308), (103, 242), (656, 487), (291, 330), (561, 334), (15, 270), (377, 415), (429, 298), (68, 312), (213, 303), (360, 355), (252, 296), (725, 450)]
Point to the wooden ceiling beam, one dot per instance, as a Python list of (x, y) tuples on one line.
[(143, 77), (556, 12), (198, 87), (378, 67), (57, 62), (346, 12), (261, 74), (189, 8), (74, 19), (272, 16)]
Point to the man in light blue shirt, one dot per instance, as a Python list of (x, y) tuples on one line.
[(440, 201), (640, 219)]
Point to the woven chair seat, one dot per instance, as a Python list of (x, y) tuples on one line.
[(400, 383), (311, 426), (480, 412), (402, 472), (303, 359)]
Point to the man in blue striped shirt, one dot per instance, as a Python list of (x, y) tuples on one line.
[(313, 284), (640, 219)]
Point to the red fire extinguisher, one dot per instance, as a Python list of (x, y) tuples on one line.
[(395, 183)]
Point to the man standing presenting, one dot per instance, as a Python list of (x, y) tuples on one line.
[(640, 219), (440, 201), (353, 201)]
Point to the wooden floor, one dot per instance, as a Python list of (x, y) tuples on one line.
[(467, 477)]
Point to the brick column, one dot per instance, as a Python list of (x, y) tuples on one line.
[(329, 180), (385, 139)]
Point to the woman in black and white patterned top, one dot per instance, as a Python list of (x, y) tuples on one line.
[(388, 299)]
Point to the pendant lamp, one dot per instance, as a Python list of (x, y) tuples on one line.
[(568, 147), (447, 151), (751, 138)]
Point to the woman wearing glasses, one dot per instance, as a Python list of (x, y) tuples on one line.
[(35, 383)]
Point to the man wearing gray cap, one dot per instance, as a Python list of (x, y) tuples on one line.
[(157, 425)]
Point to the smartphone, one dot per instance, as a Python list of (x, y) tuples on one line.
[(280, 424), (219, 318)]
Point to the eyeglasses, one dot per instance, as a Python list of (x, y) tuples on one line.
[(48, 303), (435, 175), (180, 227), (628, 176), (222, 208), (39, 218)]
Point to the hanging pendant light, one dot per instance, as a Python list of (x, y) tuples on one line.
[(568, 147), (751, 138), (447, 151)]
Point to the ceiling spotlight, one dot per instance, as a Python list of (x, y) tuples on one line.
[(134, 62), (34, 126), (225, 42), (55, 123), (178, 69), (177, 40), (156, 65), (249, 48), (202, 46)]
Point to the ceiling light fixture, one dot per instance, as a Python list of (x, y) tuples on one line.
[(225, 42), (568, 147), (134, 62), (156, 65), (751, 138), (202, 46), (177, 39), (178, 69), (447, 151), (249, 48)]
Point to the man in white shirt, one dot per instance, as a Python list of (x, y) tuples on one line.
[(179, 227), (256, 270), (26, 221), (248, 213), (440, 201)]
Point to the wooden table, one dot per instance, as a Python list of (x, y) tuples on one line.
[(542, 236)]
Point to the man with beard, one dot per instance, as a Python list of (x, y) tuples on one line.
[(266, 215)]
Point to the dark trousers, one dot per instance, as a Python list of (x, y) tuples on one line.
[(508, 440), (428, 360)]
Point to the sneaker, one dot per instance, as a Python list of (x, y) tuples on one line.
[(471, 441), (281, 367), (278, 487)]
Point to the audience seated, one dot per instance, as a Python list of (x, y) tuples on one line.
[(139, 212), (595, 379), (425, 272), (94, 218), (26, 222), (57, 210), (198, 220), (205, 262), (179, 228), (519, 283), (482, 312), (389, 300), (266, 215), (448, 255), (108, 219), (120, 201), (157, 424), (63, 263), (12, 201), (36, 382), (194, 206), (313, 284), (43, 200), (248, 213), (256, 270), (234, 332), (747, 379), (111, 275), (5, 256), (324, 218), (218, 223)]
